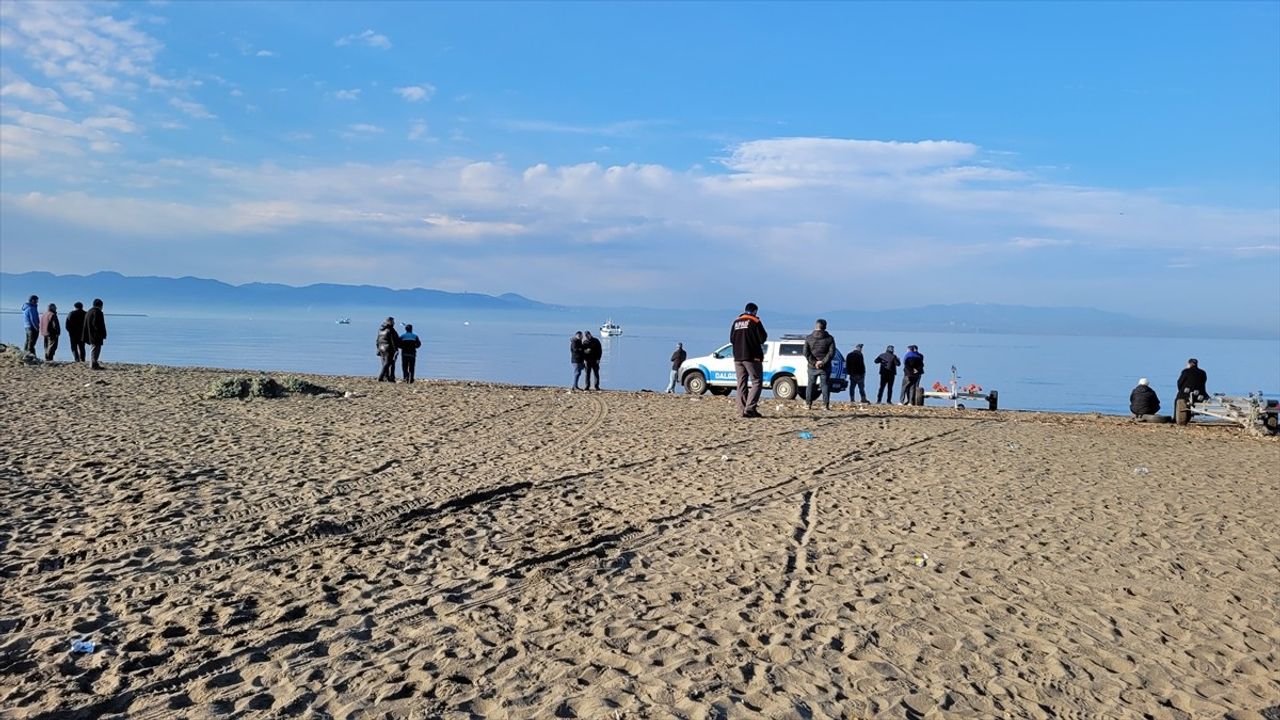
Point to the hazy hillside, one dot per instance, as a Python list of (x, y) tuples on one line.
[(158, 295)]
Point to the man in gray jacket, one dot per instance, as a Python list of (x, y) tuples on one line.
[(819, 349)]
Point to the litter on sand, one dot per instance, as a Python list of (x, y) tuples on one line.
[(1141, 470), (84, 646), (805, 435), (920, 559)]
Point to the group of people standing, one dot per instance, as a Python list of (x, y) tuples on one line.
[(390, 344), (585, 351), (84, 328), (912, 364)]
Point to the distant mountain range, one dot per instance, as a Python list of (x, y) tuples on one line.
[(158, 295)]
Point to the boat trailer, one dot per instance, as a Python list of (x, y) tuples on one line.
[(1253, 412), (954, 393)]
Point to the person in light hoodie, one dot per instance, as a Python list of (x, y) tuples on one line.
[(51, 331), (31, 323)]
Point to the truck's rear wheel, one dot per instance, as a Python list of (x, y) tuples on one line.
[(785, 388), (695, 383), (719, 391), (917, 397), (1181, 412)]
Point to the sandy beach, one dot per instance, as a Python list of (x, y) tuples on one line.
[(463, 550)]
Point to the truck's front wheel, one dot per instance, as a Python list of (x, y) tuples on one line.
[(695, 383), (785, 388)]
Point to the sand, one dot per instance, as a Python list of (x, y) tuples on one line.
[(464, 550)]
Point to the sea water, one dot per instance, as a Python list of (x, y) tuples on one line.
[(1031, 372)]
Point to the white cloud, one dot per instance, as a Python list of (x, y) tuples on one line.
[(1033, 243), (192, 108), (418, 130), (364, 128), (368, 37), (353, 94), (265, 53), (416, 93), (91, 52), (17, 88)]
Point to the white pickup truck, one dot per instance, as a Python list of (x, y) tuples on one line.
[(785, 370)]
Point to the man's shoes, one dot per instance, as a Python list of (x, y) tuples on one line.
[(752, 414), (808, 406)]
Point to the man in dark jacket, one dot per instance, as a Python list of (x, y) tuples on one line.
[(409, 344), (819, 348), (75, 332), (576, 357), (912, 371), (95, 331), (388, 344), (748, 336), (1192, 382), (1143, 400), (888, 363), (592, 351), (677, 359), (856, 366)]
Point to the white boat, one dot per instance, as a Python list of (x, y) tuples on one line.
[(610, 329), (344, 321)]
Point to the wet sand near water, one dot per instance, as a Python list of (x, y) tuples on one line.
[(462, 550)]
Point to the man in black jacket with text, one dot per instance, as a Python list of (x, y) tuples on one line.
[(748, 336)]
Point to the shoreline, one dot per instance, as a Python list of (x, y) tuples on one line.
[(766, 399)]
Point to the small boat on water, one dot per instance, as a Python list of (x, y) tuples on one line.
[(344, 321), (610, 329)]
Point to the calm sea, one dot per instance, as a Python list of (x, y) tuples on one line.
[(1073, 374)]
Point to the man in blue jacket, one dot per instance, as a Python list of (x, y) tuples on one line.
[(912, 371), (31, 321), (409, 344)]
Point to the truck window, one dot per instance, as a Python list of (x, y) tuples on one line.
[(791, 349)]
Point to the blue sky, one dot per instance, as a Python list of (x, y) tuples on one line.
[(857, 155)]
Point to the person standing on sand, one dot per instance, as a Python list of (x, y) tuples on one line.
[(912, 371), (388, 343), (409, 344), (1192, 382), (856, 365), (576, 357), (677, 359), (888, 363), (95, 331), (50, 330), (75, 332), (592, 351), (31, 323), (748, 336), (819, 348)]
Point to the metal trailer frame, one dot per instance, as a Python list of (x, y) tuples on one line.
[(1252, 412), (954, 395)]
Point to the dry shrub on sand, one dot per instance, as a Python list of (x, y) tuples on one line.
[(240, 387)]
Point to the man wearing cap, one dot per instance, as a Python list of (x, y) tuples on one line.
[(31, 322), (912, 371), (856, 366), (888, 363), (388, 345), (1143, 401), (1192, 382), (748, 336)]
